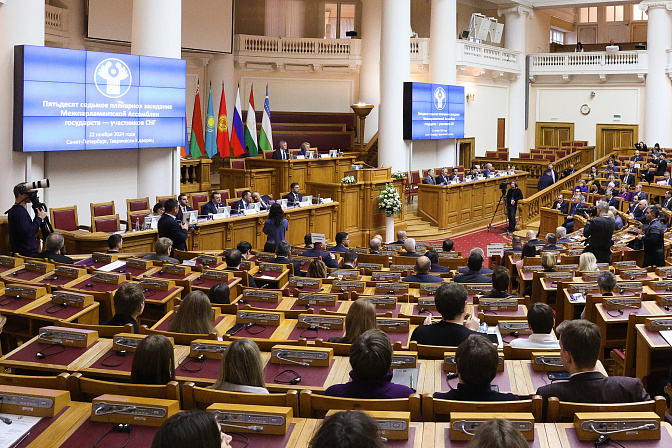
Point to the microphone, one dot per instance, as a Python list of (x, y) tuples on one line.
[(281, 357), (254, 428)]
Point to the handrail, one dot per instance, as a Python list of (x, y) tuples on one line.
[(537, 166)]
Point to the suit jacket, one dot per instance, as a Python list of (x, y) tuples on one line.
[(119, 320), (552, 174), (429, 180), (564, 206), (568, 172), (648, 176), (53, 256), (464, 392), (629, 179), (278, 154), (180, 215), (662, 167), (250, 279), (441, 179), (442, 333), (641, 194), (637, 159), (600, 230), (168, 227), (614, 202), (422, 278), (292, 197), (639, 215), (285, 260), (667, 203), (483, 270), (545, 181), (438, 268), (211, 207), (338, 248), (314, 252), (472, 277), (239, 205)]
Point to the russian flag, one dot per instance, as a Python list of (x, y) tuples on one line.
[(237, 133)]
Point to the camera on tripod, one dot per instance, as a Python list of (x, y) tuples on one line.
[(503, 186), (30, 189)]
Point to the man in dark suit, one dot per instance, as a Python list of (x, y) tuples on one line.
[(544, 182), (447, 245), (569, 171), (484, 270), (599, 230), (516, 246), (429, 180), (652, 238), (244, 203), (561, 233), (630, 174), (661, 164), (561, 204), (114, 243), (451, 330), (264, 201), (477, 362), (551, 240), (580, 342), (611, 200), (639, 212), (281, 153), (455, 176), (443, 179), (512, 197), (532, 238), (294, 196), (349, 260), (169, 227), (434, 260), (475, 263), (233, 260), (422, 265), (183, 203), (575, 208), (317, 251), (52, 249), (342, 243), (374, 246), (129, 303), (214, 204), (637, 158), (401, 237), (282, 250), (409, 246), (551, 173), (667, 202)]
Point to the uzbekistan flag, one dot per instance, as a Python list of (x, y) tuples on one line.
[(266, 138), (237, 131)]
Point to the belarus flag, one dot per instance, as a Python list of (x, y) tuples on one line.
[(251, 128), (237, 130)]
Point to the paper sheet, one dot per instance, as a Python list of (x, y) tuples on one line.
[(266, 277), (12, 433), (667, 335), (112, 266)]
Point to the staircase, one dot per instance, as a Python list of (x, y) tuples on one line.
[(419, 229)]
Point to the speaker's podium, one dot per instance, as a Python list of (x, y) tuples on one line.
[(370, 174)]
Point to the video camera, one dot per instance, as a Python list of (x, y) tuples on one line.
[(503, 186), (30, 188)]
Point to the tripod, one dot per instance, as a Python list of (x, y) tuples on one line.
[(502, 200)]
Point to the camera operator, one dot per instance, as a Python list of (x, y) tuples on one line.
[(599, 230), (23, 228), (512, 197)]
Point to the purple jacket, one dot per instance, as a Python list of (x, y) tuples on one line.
[(371, 389)]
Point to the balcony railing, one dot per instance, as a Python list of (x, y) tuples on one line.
[(297, 47), (55, 20), (489, 57), (590, 63)]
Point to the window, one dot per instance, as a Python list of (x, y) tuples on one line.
[(638, 14), (614, 13), (588, 14), (339, 18), (557, 37)]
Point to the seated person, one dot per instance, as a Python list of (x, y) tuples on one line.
[(531, 237), (434, 260), (409, 246), (442, 179), (348, 429), (430, 179), (371, 360), (360, 318), (214, 204), (548, 262), (640, 212), (220, 294), (197, 428), (580, 345), (183, 202), (53, 246), (266, 201), (551, 242), (501, 279), (233, 260), (270, 246), (474, 263), (349, 260), (516, 246), (541, 319), (317, 269), (282, 250), (245, 249), (447, 245), (606, 282), (374, 246), (498, 433), (114, 243), (305, 147), (316, 251), (455, 176), (574, 208), (129, 303), (581, 188), (618, 220), (162, 249), (451, 330), (422, 265), (476, 360), (281, 153), (476, 250), (242, 369), (158, 209), (244, 202), (194, 315), (342, 243), (401, 237), (561, 234), (294, 196), (153, 361)]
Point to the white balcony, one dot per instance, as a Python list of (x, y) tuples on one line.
[(624, 66), (55, 21)]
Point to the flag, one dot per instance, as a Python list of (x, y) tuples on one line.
[(237, 131), (210, 136), (196, 143), (183, 149), (251, 128), (266, 137), (223, 128)]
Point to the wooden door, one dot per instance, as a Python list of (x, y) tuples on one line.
[(611, 136), (552, 133), (501, 132), (467, 148)]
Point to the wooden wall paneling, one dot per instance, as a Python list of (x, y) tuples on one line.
[(552, 133), (299, 226)]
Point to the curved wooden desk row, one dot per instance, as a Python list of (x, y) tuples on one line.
[(219, 233)]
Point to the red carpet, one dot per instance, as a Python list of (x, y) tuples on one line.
[(464, 242)]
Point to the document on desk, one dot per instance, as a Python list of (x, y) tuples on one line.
[(112, 266), (20, 426), (667, 335), (266, 277), (406, 377)]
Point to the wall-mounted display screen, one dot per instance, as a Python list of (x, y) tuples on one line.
[(433, 111), (66, 100)]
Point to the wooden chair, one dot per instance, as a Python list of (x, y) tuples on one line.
[(162, 199), (102, 209), (179, 338), (196, 397), (239, 192), (374, 258), (563, 411), (135, 205), (59, 382), (86, 389), (624, 360), (268, 154), (313, 405), (108, 224), (137, 219), (437, 410), (429, 351), (198, 199), (66, 219), (104, 331), (238, 164), (524, 353)]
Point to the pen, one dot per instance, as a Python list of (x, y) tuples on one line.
[(21, 440)]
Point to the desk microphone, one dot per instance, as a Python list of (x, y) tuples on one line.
[(253, 428), (281, 357)]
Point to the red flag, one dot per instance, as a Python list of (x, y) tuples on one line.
[(197, 125), (183, 149), (223, 142)]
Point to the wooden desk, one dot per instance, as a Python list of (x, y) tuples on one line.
[(87, 243), (507, 380), (39, 317), (654, 355), (528, 380), (55, 426), (613, 325), (544, 435), (565, 436)]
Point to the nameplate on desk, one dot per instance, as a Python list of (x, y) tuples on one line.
[(392, 247), (99, 257), (71, 337), (654, 324), (533, 268), (634, 273), (137, 263), (157, 285), (390, 253), (393, 325), (575, 252), (300, 283), (401, 267), (220, 215), (37, 266), (69, 272), (245, 418), (566, 267), (617, 425), (625, 264), (301, 261), (429, 304), (547, 361), (25, 291), (463, 425), (223, 276), (450, 362), (207, 260), (132, 410), (253, 317), (590, 275), (344, 274), (246, 265), (323, 322), (110, 279), (389, 302), (175, 269), (478, 289), (663, 272), (558, 275), (208, 348), (75, 299), (317, 299), (622, 287), (614, 304), (404, 360), (312, 356), (509, 326), (32, 401), (448, 255), (348, 286), (257, 295), (386, 276), (370, 266), (583, 288), (664, 301), (382, 288), (498, 304), (326, 201), (662, 285), (129, 341), (271, 267), (10, 262)]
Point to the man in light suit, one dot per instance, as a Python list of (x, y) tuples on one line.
[(281, 153), (580, 344), (429, 180)]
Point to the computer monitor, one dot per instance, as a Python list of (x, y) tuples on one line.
[(226, 211), (333, 153), (307, 198), (256, 206), (282, 202), (611, 49), (190, 216), (150, 222), (310, 154)]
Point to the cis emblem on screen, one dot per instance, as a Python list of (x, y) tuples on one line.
[(113, 78), (439, 98)]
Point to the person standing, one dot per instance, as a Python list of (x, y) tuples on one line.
[(653, 238), (276, 225), (169, 227), (600, 230), (22, 229), (512, 197)]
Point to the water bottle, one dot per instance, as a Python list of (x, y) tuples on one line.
[(483, 328)]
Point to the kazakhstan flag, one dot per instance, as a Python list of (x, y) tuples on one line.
[(210, 129)]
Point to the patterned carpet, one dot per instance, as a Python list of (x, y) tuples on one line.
[(464, 242)]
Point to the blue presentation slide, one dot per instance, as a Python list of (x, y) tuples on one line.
[(69, 100), (433, 111)]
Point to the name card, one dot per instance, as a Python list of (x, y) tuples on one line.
[(71, 337), (208, 348), (324, 322), (389, 302), (176, 269), (261, 318), (132, 410), (317, 299), (258, 295), (74, 299), (348, 286), (449, 255), (10, 262), (157, 285), (313, 356), (222, 276), (386, 276), (69, 272), (99, 257), (111, 279), (25, 291), (392, 288), (392, 325)]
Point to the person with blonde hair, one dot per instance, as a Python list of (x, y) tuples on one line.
[(548, 262), (360, 318), (242, 368), (588, 262), (317, 269), (194, 315)]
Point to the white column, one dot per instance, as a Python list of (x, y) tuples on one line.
[(514, 37), (395, 69), (220, 70), (657, 113), (157, 31), (21, 23), (369, 74), (442, 57)]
